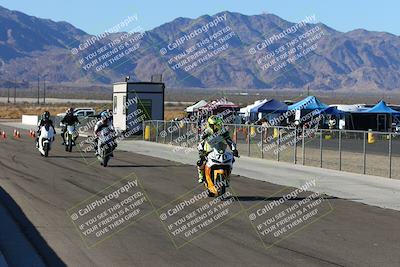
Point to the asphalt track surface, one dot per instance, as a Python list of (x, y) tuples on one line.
[(351, 234)]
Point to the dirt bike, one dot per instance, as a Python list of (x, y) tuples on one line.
[(106, 143), (218, 168), (45, 140), (70, 136)]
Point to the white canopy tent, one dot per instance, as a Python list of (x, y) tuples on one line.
[(197, 105), (246, 110), (350, 108)]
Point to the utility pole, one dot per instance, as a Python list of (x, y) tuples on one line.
[(308, 90), (8, 94), (38, 88), (15, 91), (44, 90)]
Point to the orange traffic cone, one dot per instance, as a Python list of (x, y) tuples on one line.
[(15, 133), (4, 135), (18, 134)]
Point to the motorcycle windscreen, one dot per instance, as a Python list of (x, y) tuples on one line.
[(216, 142), (71, 129), (47, 131)]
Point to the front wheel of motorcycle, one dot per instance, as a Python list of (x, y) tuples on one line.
[(46, 150), (69, 143), (106, 159)]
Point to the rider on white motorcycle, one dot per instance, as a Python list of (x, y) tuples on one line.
[(214, 133), (69, 120), (100, 125), (45, 119)]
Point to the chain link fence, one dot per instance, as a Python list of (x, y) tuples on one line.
[(365, 152)]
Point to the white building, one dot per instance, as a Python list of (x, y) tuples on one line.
[(134, 102)]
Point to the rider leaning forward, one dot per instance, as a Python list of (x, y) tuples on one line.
[(213, 136)]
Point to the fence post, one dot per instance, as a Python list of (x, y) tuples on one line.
[(157, 132), (320, 149), (179, 134), (262, 141), (364, 153), (187, 133), (143, 128), (295, 146), (248, 140), (340, 150), (303, 152), (150, 123), (236, 134), (278, 144), (172, 132), (390, 155), (165, 131)]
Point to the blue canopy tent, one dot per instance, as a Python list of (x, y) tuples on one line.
[(308, 103), (254, 110), (333, 114), (332, 111), (378, 118), (382, 108), (271, 106)]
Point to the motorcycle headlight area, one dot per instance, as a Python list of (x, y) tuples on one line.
[(225, 161)]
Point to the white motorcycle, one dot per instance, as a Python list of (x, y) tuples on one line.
[(70, 136), (217, 171), (46, 138), (106, 146)]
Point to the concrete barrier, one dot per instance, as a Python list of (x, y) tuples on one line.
[(30, 119)]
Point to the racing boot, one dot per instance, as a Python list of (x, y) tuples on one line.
[(200, 171)]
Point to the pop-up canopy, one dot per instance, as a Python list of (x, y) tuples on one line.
[(271, 106), (332, 111), (248, 109), (217, 105), (197, 105), (381, 107), (310, 103)]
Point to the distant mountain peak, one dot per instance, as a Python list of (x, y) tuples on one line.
[(354, 60)]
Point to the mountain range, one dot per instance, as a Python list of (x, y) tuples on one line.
[(220, 51)]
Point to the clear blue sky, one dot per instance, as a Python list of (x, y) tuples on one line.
[(96, 16)]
